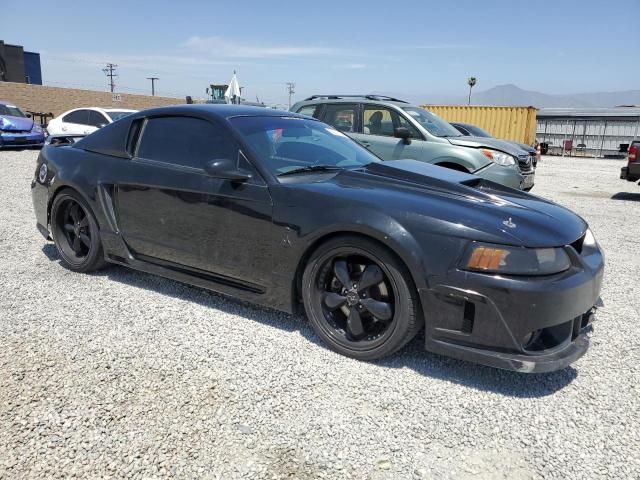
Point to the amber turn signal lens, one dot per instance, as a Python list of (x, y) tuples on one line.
[(487, 153), (484, 258)]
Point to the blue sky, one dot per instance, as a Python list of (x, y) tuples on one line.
[(414, 48)]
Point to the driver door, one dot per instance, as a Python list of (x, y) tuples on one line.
[(171, 212), (377, 134)]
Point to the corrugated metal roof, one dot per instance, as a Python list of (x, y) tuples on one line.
[(589, 112)]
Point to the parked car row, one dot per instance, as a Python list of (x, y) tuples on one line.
[(18, 130), (393, 129), (286, 211)]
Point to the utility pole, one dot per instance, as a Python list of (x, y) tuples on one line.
[(153, 85), (110, 71), (291, 88)]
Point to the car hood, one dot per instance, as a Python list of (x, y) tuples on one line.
[(463, 205), (477, 142), (10, 122)]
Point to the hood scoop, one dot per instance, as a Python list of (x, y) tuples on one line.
[(431, 176)]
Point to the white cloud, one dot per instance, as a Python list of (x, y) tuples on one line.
[(353, 66), (220, 47)]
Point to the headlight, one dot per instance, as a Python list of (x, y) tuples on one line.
[(37, 129), (515, 260), (500, 158)]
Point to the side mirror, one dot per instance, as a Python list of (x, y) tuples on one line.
[(226, 168), (28, 115), (403, 133)]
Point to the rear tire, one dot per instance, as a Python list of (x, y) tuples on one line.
[(360, 298), (75, 233)]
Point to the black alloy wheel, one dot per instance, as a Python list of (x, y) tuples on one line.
[(75, 233), (360, 298)]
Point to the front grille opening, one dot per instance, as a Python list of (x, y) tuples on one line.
[(545, 338)]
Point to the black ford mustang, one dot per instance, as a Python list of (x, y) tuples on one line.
[(283, 210)]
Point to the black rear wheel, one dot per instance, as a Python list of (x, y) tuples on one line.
[(75, 233), (360, 298)]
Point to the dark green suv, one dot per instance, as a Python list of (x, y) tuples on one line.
[(394, 129)]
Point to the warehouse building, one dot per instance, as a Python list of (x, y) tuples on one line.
[(19, 66), (598, 132)]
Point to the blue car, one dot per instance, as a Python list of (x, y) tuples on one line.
[(18, 129)]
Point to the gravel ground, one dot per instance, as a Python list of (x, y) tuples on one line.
[(122, 374)]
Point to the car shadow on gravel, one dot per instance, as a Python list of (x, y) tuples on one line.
[(413, 356), (632, 197), (479, 377)]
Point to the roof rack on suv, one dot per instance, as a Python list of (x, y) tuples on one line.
[(368, 97)]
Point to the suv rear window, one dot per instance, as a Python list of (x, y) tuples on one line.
[(310, 110)]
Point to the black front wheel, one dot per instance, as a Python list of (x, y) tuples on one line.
[(75, 233), (360, 298)]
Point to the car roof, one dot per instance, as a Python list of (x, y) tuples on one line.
[(113, 109), (219, 111), (354, 99)]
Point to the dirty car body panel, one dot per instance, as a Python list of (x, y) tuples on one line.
[(251, 239)]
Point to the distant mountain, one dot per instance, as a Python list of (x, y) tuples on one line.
[(513, 95)]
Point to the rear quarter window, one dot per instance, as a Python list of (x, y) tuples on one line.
[(185, 141)]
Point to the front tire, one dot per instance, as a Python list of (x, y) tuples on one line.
[(360, 298), (75, 233)]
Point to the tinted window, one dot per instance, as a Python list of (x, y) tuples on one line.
[(79, 116), (476, 131), (185, 141), (310, 110), (341, 116), (96, 119)]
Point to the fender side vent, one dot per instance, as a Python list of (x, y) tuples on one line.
[(469, 317)]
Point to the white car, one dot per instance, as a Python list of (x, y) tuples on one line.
[(83, 121)]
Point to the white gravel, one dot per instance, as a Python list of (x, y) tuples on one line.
[(122, 374)]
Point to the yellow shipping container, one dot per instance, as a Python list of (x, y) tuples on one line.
[(509, 123)]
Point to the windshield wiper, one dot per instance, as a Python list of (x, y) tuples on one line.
[(311, 168)]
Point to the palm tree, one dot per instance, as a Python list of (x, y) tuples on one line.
[(472, 82)]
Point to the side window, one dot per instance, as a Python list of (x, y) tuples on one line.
[(377, 121), (341, 116), (185, 141), (403, 122), (310, 110), (80, 117), (383, 121), (96, 119)]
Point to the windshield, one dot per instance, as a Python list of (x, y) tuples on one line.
[(117, 115), (284, 144), (476, 131), (11, 110), (432, 123)]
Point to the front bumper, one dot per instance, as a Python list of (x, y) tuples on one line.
[(509, 176), (20, 140), (527, 324)]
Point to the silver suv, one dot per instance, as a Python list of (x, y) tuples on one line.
[(394, 129)]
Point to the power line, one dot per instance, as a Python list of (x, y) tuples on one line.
[(291, 88), (153, 85), (109, 71)]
